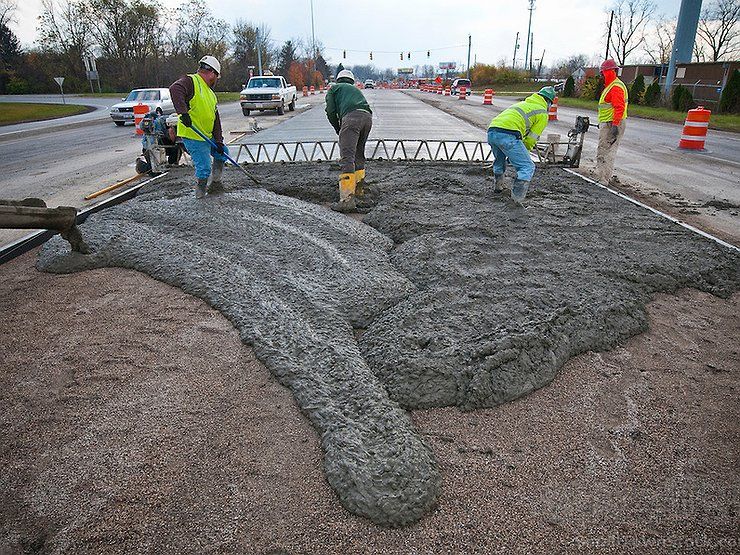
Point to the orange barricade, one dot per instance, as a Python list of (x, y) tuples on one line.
[(488, 97), (447, 91), (305, 91), (439, 89), (313, 89), (695, 129), (552, 111), (140, 110), (463, 94), (321, 88)]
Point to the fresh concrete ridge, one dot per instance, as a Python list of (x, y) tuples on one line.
[(457, 296)]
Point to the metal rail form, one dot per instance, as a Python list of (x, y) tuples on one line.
[(378, 149)]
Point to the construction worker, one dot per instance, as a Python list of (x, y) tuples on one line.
[(612, 116), (350, 115), (195, 101), (512, 134)]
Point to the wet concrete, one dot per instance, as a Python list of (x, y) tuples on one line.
[(471, 302)]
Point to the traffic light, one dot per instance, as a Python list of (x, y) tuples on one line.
[(371, 55), (401, 56), (428, 53), (409, 55), (344, 54)]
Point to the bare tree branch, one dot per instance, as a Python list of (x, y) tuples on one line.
[(631, 18), (719, 29)]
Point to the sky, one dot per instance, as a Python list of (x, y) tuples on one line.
[(560, 27)]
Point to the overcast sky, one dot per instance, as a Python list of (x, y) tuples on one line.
[(560, 27)]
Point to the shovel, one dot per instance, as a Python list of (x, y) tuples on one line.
[(229, 158)]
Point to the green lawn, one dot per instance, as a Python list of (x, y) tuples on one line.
[(23, 112), (511, 89), (724, 122)]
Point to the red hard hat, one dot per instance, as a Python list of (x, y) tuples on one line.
[(609, 64)]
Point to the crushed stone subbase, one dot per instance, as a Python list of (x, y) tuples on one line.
[(446, 294)]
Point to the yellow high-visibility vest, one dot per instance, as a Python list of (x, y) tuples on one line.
[(203, 108), (606, 110)]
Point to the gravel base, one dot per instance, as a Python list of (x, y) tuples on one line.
[(135, 420)]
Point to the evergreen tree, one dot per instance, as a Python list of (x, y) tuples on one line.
[(637, 90), (730, 101), (570, 87), (287, 56), (652, 94), (681, 99)]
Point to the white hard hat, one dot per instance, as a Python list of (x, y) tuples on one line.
[(347, 74), (212, 62)]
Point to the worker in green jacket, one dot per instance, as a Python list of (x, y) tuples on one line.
[(512, 134), (350, 115)]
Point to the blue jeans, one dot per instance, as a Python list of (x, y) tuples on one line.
[(508, 146), (201, 153)]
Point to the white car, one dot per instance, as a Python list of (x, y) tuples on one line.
[(369, 84), (158, 100), (267, 92)]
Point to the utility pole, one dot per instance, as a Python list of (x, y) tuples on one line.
[(539, 69), (529, 30), (683, 44), (259, 53), (516, 47), (313, 37), (470, 43), (609, 35), (531, 51)]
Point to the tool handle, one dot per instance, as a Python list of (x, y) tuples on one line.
[(229, 158)]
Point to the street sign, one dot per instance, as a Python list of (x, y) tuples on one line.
[(406, 70), (447, 65), (438, 79), (59, 80)]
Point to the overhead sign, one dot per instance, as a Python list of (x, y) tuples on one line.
[(447, 65), (406, 70)]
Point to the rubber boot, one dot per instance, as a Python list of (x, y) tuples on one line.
[(217, 171), (346, 194), (519, 191), (498, 182), (200, 188), (359, 183)]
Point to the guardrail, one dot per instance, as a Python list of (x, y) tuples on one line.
[(378, 149)]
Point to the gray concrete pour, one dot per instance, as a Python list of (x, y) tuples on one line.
[(294, 279), (495, 298)]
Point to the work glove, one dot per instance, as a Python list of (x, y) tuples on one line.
[(185, 119), (220, 148), (613, 134)]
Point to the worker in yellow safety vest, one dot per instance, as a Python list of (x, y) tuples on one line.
[(195, 101), (612, 116), (512, 134)]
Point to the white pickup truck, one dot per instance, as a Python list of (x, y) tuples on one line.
[(268, 92)]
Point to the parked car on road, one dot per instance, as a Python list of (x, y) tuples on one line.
[(158, 101), (267, 92), (457, 84), (369, 84)]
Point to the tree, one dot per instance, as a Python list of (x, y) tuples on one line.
[(637, 90), (570, 87), (565, 68), (719, 30), (592, 88), (631, 18), (681, 99), (198, 33), (652, 94), (64, 29), (7, 11), (286, 57), (658, 47), (730, 101)]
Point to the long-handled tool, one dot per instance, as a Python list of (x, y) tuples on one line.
[(229, 158)]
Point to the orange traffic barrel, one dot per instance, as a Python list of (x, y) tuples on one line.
[(552, 111), (305, 91), (463, 94), (439, 89), (321, 88), (447, 91), (313, 89), (695, 129), (140, 110), (488, 97)]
